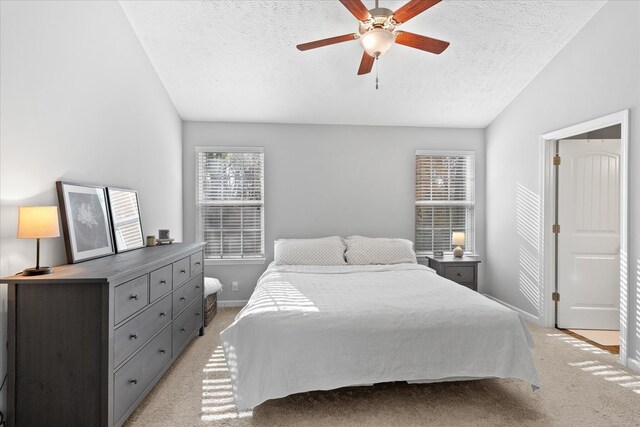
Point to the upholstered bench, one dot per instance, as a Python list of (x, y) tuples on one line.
[(211, 288)]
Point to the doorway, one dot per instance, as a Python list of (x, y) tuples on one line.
[(590, 245), (588, 242)]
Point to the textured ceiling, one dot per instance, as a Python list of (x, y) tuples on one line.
[(236, 60)]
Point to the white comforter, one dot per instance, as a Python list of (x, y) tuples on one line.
[(319, 328)]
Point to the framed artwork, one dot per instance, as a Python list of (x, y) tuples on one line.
[(125, 217), (85, 221)]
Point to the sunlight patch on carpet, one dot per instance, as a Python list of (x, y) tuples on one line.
[(599, 370), (588, 362), (217, 393), (623, 378), (596, 368), (600, 373)]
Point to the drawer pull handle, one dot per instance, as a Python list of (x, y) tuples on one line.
[(182, 329), (183, 271), (162, 314), (197, 313), (133, 336), (459, 274), (182, 298), (198, 263), (134, 296), (197, 286), (134, 381), (162, 282), (162, 351)]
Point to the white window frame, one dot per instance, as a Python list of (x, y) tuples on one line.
[(198, 224), (471, 182)]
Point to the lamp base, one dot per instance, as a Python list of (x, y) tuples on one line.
[(458, 252), (37, 271)]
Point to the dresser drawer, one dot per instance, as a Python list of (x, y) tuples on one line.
[(460, 273), (181, 272), (130, 336), (186, 324), (130, 297), (135, 376), (196, 263), (182, 297), (160, 282)]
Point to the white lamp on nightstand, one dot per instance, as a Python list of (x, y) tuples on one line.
[(457, 239)]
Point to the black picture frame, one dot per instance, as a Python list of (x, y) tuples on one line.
[(86, 223), (126, 221)]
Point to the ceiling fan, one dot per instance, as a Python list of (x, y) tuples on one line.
[(378, 31)]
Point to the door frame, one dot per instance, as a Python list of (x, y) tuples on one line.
[(547, 214)]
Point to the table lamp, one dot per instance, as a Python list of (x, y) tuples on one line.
[(457, 238), (37, 222)]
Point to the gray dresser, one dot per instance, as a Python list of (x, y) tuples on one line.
[(88, 342)]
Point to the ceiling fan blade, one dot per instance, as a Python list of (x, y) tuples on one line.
[(421, 42), (366, 64), (413, 8), (357, 9), (327, 42)]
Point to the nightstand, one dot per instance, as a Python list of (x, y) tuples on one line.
[(461, 270)]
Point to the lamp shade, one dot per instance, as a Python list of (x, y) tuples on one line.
[(457, 238), (37, 222), (377, 41)]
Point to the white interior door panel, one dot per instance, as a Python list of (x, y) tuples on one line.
[(589, 239)]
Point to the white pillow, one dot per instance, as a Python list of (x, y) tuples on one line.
[(323, 251), (367, 250)]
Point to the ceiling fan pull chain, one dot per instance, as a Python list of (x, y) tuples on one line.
[(376, 72)]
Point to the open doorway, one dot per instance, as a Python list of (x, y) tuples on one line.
[(585, 230), (587, 183)]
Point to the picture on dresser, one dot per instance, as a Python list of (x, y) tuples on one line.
[(85, 221), (125, 217)]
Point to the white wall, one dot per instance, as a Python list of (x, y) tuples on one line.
[(80, 101), (596, 74), (328, 180)]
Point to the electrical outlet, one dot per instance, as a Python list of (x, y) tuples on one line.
[(234, 286)]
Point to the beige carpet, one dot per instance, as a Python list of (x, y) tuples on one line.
[(581, 386), (606, 338)]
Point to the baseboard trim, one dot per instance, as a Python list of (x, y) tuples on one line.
[(528, 316), (233, 303), (633, 364)]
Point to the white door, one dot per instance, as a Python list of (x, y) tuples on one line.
[(589, 239)]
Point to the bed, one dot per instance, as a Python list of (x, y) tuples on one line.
[(321, 327)]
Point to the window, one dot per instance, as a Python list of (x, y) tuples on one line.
[(230, 202), (445, 199)]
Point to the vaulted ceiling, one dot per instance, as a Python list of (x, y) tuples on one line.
[(236, 61)]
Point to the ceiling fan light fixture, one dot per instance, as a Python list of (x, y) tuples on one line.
[(377, 31), (377, 41)]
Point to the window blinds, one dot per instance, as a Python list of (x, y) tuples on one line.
[(230, 203), (445, 200)]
